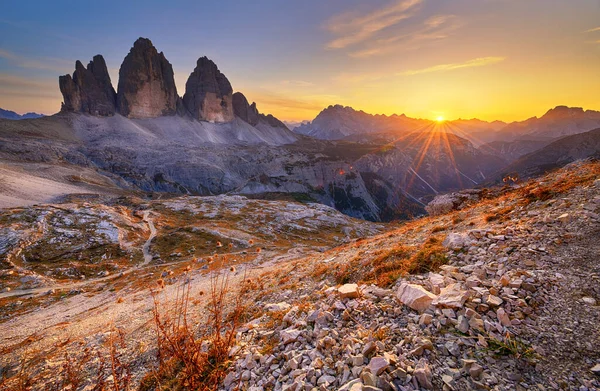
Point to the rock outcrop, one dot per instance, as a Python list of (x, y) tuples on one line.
[(208, 93), (89, 90), (249, 113), (244, 110), (146, 83)]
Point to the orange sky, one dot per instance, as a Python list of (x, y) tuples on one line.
[(490, 59)]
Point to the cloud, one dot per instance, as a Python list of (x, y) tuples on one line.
[(593, 30), (297, 83), (476, 62), (352, 28), (11, 81), (437, 27), (43, 63)]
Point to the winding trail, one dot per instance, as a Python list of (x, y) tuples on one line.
[(146, 248), (72, 285)]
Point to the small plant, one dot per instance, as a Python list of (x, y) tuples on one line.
[(511, 346)]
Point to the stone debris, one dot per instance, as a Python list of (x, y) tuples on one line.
[(415, 296), (477, 323)]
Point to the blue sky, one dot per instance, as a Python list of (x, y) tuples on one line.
[(506, 59)]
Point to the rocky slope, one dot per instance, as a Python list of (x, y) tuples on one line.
[(501, 295), (557, 154)]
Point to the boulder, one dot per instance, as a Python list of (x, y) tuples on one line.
[(208, 93), (423, 374), (146, 84), (89, 90), (415, 296), (456, 241), (349, 291), (452, 296), (378, 364), (289, 335), (275, 307)]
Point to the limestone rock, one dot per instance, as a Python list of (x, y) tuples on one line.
[(349, 291), (146, 83), (208, 93), (456, 241), (89, 90), (247, 112), (415, 296), (378, 364), (424, 375), (452, 296)]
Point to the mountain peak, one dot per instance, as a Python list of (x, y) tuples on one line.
[(146, 83), (560, 112)]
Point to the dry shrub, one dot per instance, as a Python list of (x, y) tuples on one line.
[(187, 358), (79, 368), (499, 215), (561, 182)]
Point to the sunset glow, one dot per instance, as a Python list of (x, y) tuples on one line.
[(492, 60)]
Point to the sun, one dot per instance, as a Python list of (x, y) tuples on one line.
[(440, 118)]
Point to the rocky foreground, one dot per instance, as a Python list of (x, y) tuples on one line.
[(500, 293), (515, 307)]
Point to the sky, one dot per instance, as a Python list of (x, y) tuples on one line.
[(488, 59)]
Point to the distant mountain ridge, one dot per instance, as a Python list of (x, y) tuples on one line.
[(7, 114), (337, 122)]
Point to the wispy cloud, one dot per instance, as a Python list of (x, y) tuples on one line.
[(593, 30), (297, 83), (352, 28), (437, 27), (43, 63), (476, 62)]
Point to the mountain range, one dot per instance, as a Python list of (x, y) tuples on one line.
[(145, 138), (7, 114)]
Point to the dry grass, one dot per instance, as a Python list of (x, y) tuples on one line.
[(82, 366), (562, 183), (499, 215), (386, 266), (195, 357)]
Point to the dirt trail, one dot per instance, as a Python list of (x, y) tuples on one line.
[(146, 248), (75, 285)]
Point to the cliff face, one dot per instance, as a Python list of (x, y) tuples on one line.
[(146, 83), (244, 110), (208, 93), (89, 90)]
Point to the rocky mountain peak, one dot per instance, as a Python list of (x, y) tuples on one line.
[(208, 93), (146, 83), (560, 112), (89, 90), (244, 110)]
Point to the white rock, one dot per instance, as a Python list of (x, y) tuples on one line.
[(289, 335), (349, 291), (275, 307), (415, 296), (452, 296), (378, 364), (456, 241), (589, 300)]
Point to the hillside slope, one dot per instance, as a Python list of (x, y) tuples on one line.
[(499, 294)]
